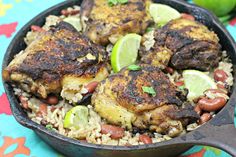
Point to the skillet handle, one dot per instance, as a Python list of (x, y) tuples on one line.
[(220, 132)]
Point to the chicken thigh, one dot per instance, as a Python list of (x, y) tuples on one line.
[(187, 44), (61, 59), (106, 23), (122, 100)]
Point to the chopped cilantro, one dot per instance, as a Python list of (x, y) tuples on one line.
[(181, 87), (149, 29), (149, 90), (49, 127), (134, 67), (122, 1), (115, 2)]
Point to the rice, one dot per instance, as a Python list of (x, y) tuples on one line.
[(149, 40)]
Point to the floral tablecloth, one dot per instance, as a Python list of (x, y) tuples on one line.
[(17, 141)]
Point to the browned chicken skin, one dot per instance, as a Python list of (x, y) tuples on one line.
[(189, 44), (106, 22), (120, 99), (57, 55)]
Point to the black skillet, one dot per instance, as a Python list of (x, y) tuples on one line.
[(218, 132)]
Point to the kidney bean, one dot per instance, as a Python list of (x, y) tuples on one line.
[(179, 83), (43, 108), (215, 91), (66, 12), (220, 75), (211, 104), (169, 70), (188, 16), (198, 109), (37, 28), (91, 86), (205, 117), (115, 131), (145, 139), (52, 100), (24, 102)]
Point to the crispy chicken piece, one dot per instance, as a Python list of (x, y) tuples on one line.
[(190, 43), (120, 99), (104, 22), (59, 59)]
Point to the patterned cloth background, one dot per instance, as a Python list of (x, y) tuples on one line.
[(17, 141)]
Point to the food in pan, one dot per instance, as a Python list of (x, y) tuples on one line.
[(114, 20), (121, 76)]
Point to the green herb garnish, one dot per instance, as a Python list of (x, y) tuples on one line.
[(134, 67), (49, 127), (149, 90), (115, 2), (181, 87), (149, 29)]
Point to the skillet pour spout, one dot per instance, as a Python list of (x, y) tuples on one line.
[(218, 132)]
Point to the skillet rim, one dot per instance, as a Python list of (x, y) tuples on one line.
[(25, 121)]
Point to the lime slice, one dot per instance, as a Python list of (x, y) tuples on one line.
[(197, 82), (77, 117), (125, 51), (75, 22), (162, 14)]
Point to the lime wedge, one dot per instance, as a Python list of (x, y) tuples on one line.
[(125, 51), (75, 22), (197, 82), (162, 14), (77, 117)]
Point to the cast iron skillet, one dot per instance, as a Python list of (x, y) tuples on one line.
[(218, 132)]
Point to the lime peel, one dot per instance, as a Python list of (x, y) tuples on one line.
[(77, 117), (197, 83), (125, 51), (162, 13)]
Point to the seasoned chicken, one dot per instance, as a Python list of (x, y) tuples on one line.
[(104, 22), (189, 44), (121, 100), (61, 59)]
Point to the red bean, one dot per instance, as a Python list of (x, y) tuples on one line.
[(43, 108), (145, 139), (211, 104), (215, 91), (37, 28), (91, 86), (205, 117), (188, 16), (24, 102), (115, 131), (69, 12), (179, 83), (220, 75), (52, 100), (198, 109), (169, 70)]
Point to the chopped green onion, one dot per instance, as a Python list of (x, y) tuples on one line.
[(49, 127), (134, 67), (149, 90)]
